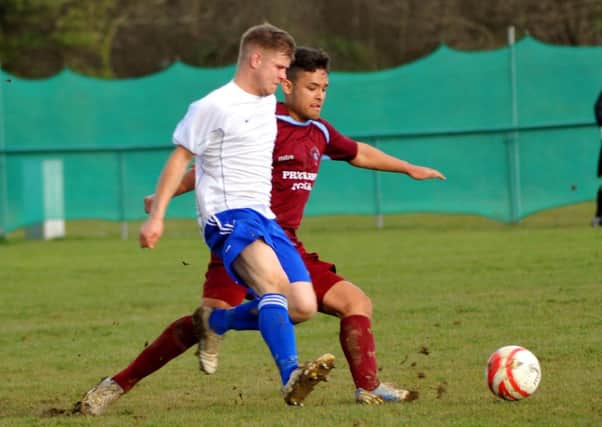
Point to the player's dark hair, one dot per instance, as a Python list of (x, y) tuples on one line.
[(267, 36), (308, 59)]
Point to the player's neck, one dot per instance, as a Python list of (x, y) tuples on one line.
[(245, 83), (298, 117)]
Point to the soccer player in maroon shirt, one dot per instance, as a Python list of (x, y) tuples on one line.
[(597, 220), (303, 139)]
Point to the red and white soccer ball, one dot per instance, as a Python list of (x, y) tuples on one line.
[(513, 372)]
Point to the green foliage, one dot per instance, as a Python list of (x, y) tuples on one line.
[(72, 33), (78, 309), (126, 38), (355, 54)]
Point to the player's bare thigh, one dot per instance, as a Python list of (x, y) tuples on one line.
[(258, 266), (345, 299)]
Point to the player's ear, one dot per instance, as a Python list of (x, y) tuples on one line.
[(255, 59), (287, 86)]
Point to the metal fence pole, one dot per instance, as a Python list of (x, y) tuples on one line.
[(3, 162), (513, 152), (122, 195)]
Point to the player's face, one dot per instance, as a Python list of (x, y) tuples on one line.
[(271, 69), (305, 96)]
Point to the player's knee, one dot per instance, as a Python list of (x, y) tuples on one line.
[(346, 299), (302, 309), (360, 304), (304, 312), (366, 306)]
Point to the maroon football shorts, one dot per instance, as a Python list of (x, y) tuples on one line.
[(218, 284)]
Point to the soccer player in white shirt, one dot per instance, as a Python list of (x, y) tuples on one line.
[(231, 133)]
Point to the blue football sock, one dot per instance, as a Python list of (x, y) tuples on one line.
[(241, 318), (278, 333)]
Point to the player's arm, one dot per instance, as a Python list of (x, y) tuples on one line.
[(369, 157), (170, 179), (186, 185)]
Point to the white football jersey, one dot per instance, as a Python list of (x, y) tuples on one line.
[(231, 133)]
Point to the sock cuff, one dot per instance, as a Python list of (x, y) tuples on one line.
[(271, 300), (356, 320)]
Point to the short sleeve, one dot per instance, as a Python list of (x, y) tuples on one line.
[(197, 127), (340, 147)]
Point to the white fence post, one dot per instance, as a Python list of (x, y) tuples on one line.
[(44, 189)]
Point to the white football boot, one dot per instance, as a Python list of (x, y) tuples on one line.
[(209, 341), (96, 400), (384, 393)]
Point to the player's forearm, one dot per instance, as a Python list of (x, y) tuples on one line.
[(170, 180), (187, 183), (369, 157)]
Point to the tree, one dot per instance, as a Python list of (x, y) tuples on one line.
[(126, 38)]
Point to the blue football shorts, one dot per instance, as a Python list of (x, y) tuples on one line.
[(228, 232)]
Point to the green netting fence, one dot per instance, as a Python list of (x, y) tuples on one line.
[(513, 129)]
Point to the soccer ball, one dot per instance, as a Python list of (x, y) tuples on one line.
[(513, 372)]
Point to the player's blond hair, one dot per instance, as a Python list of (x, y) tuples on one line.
[(266, 36)]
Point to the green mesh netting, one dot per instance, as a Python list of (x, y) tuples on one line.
[(513, 129)]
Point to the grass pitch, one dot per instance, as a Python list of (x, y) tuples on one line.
[(447, 291)]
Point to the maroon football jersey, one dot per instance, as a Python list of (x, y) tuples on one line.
[(297, 154)]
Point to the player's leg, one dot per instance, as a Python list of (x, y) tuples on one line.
[(220, 294), (274, 322), (597, 220), (178, 337), (303, 379), (254, 251), (224, 317), (343, 299), (302, 304), (222, 310), (215, 303), (259, 268), (230, 233)]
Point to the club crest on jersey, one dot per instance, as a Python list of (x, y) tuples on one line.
[(315, 155)]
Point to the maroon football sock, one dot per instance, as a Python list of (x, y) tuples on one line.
[(175, 340), (358, 345)]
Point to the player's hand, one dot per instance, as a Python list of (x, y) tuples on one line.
[(148, 203), (150, 232), (421, 172)]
